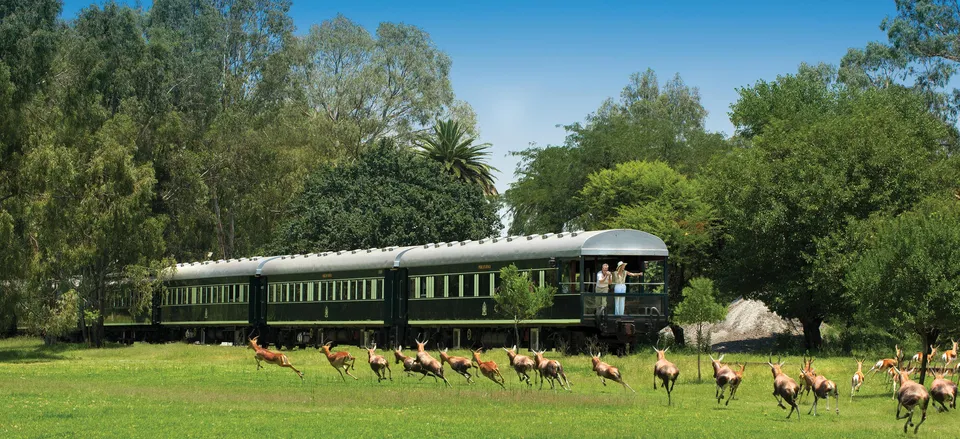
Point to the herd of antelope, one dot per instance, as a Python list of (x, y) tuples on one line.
[(909, 394)]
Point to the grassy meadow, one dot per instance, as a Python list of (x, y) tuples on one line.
[(180, 390)]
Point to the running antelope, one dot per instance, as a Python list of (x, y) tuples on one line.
[(857, 379), (551, 370), (608, 372), (918, 357), (271, 357), (429, 363), (887, 364), (725, 377), (410, 365), (378, 364), (784, 387), (460, 365), (911, 395), (943, 390), (666, 371), (822, 389), (950, 355), (489, 369), (341, 361), (806, 383), (521, 364)]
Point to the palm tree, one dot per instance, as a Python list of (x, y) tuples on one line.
[(450, 145)]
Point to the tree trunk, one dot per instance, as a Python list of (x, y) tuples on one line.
[(516, 333), (678, 337), (812, 339), (699, 345), (929, 337)]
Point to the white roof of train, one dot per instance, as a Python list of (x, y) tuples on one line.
[(621, 242)]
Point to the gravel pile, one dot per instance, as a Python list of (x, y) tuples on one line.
[(749, 323)]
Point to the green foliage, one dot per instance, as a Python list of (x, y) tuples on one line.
[(908, 276), (54, 318), (519, 298), (450, 145), (650, 123), (389, 196), (369, 88), (810, 174), (699, 306), (921, 48)]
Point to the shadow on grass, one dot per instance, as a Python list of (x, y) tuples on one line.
[(45, 353)]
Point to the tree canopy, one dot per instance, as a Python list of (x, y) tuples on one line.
[(390, 196)]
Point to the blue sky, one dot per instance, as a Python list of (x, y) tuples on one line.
[(529, 66)]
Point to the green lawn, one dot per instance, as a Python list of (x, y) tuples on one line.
[(180, 390)]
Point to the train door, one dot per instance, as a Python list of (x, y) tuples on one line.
[(395, 304), (257, 315)]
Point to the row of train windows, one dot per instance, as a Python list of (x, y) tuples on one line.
[(235, 293), (468, 284), (353, 289)]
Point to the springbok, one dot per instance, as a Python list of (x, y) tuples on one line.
[(410, 365), (666, 371), (857, 379), (950, 355), (822, 389), (378, 364), (341, 361), (460, 365), (911, 395), (489, 369), (918, 357), (784, 387), (521, 364), (262, 354), (551, 370), (429, 363), (608, 372), (805, 382), (943, 390), (724, 377), (887, 364)]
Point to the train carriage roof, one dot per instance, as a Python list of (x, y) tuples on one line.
[(620, 242), (221, 268), (349, 260)]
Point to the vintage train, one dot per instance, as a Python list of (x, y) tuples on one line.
[(390, 295)]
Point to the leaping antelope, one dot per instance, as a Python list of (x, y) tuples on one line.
[(857, 379), (666, 371), (429, 363), (784, 387), (943, 390), (489, 369), (724, 377), (341, 361), (378, 364), (822, 389), (270, 357), (887, 364), (911, 395), (608, 372), (460, 365), (950, 355), (551, 370), (521, 364)]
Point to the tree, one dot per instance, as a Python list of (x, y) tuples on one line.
[(811, 172), (699, 306), (653, 197), (921, 51), (369, 88), (450, 145), (649, 122), (390, 196), (518, 297), (907, 278)]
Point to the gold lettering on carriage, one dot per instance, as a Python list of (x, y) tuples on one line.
[(483, 310), (326, 312)]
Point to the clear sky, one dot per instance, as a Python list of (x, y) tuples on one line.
[(528, 66)]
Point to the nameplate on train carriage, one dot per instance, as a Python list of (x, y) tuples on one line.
[(326, 275), (484, 267)]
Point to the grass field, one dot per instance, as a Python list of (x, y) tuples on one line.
[(179, 390)]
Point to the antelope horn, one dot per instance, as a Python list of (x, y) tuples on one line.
[(721, 357)]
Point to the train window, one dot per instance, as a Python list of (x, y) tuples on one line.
[(373, 289), (413, 287), (496, 283), (453, 286), (222, 290), (363, 287), (302, 294), (309, 292), (468, 284), (550, 277), (483, 284)]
